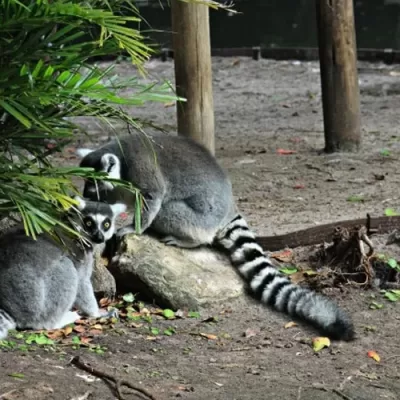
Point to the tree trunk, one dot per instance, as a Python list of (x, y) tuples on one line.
[(339, 77), (193, 73)]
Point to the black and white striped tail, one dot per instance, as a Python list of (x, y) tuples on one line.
[(274, 289), (6, 323)]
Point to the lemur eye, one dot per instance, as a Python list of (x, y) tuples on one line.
[(88, 223), (106, 225)]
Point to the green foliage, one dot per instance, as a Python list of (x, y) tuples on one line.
[(46, 80)]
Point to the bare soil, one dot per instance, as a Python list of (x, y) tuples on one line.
[(260, 107)]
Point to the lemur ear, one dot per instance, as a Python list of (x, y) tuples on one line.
[(109, 161), (81, 203), (118, 208), (83, 152)]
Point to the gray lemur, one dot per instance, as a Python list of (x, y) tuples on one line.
[(41, 280), (189, 203)]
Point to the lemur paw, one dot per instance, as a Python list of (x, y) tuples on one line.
[(113, 313)]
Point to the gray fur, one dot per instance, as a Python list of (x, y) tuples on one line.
[(190, 203), (40, 281)]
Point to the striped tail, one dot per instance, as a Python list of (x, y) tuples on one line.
[(6, 323), (274, 289)]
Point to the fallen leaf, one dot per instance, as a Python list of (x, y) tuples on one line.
[(209, 336), (97, 326), (171, 104), (235, 62), (373, 354), (250, 332), (85, 340), (134, 325), (284, 152), (284, 256), (79, 328), (67, 330), (290, 324), (297, 277), (310, 272), (104, 302), (298, 186), (320, 342), (55, 334), (169, 314)]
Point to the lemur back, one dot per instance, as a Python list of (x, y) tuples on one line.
[(40, 280), (189, 202)]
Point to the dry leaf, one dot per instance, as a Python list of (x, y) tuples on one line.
[(67, 330), (284, 256), (250, 333), (209, 336), (297, 277), (79, 328), (284, 152), (104, 302), (134, 325), (171, 104), (319, 343), (97, 326), (85, 340), (290, 324), (55, 334), (373, 354)]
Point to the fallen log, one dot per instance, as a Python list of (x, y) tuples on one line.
[(324, 233)]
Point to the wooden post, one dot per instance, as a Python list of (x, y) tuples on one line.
[(193, 73), (339, 77)]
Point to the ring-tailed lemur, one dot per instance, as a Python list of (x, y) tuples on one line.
[(40, 281), (189, 202)]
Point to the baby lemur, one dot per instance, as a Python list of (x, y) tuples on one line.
[(41, 280), (189, 202)]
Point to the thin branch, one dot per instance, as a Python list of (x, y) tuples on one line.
[(106, 376)]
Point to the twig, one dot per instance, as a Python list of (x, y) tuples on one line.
[(341, 394), (104, 375), (6, 395), (299, 393)]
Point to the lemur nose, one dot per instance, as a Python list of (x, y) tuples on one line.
[(98, 237)]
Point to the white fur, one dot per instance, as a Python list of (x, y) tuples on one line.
[(81, 203), (83, 152), (115, 172), (118, 208)]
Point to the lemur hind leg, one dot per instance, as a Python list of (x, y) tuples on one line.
[(185, 224)]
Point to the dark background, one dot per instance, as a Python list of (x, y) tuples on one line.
[(281, 23)]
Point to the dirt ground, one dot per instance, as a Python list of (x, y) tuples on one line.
[(260, 107)]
